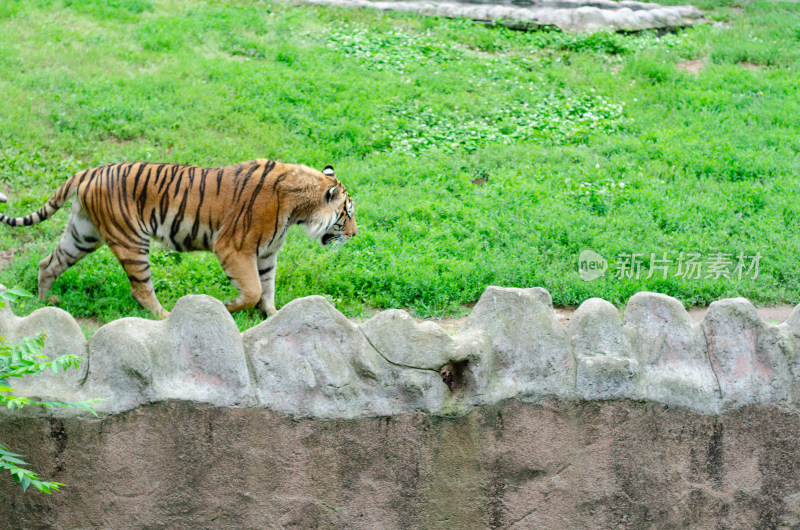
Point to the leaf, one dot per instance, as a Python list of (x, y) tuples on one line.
[(14, 460), (19, 291)]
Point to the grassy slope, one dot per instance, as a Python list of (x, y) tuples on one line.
[(412, 111)]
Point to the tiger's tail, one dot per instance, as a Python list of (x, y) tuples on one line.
[(62, 195)]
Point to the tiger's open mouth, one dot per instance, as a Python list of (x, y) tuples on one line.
[(327, 238)]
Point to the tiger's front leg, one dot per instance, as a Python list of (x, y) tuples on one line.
[(266, 275), (240, 267)]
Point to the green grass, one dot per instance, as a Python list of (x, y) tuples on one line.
[(476, 156)]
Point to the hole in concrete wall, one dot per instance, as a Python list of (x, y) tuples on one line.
[(59, 435), (453, 375)]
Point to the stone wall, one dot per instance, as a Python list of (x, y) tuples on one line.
[(567, 15), (311, 361), (308, 418)]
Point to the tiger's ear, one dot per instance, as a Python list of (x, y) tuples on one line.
[(328, 171), (331, 193)]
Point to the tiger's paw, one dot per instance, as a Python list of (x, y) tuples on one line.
[(268, 312)]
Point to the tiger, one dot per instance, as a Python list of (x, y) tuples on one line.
[(240, 212)]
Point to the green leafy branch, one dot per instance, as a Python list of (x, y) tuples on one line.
[(22, 476), (25, 358), (18, 360)]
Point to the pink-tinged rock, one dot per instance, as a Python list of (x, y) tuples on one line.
[(310, 360), (790, 331), (746, 354), (530, 354), (606, 368), (671, 350), (404, 342), (194, 354)]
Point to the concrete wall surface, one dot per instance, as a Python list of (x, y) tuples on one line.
[(623, 464)]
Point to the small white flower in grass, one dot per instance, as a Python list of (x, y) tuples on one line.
[(597, 166)]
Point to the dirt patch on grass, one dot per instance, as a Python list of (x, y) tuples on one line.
[(450, 325), (749, 66), (89, 325), (771, 314), (6, 256), (693, 67)]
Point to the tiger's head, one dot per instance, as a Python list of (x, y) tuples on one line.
[(334, 221)]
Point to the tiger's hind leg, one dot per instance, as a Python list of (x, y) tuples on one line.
[(80, 238), (266, 275), (135, 259)]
